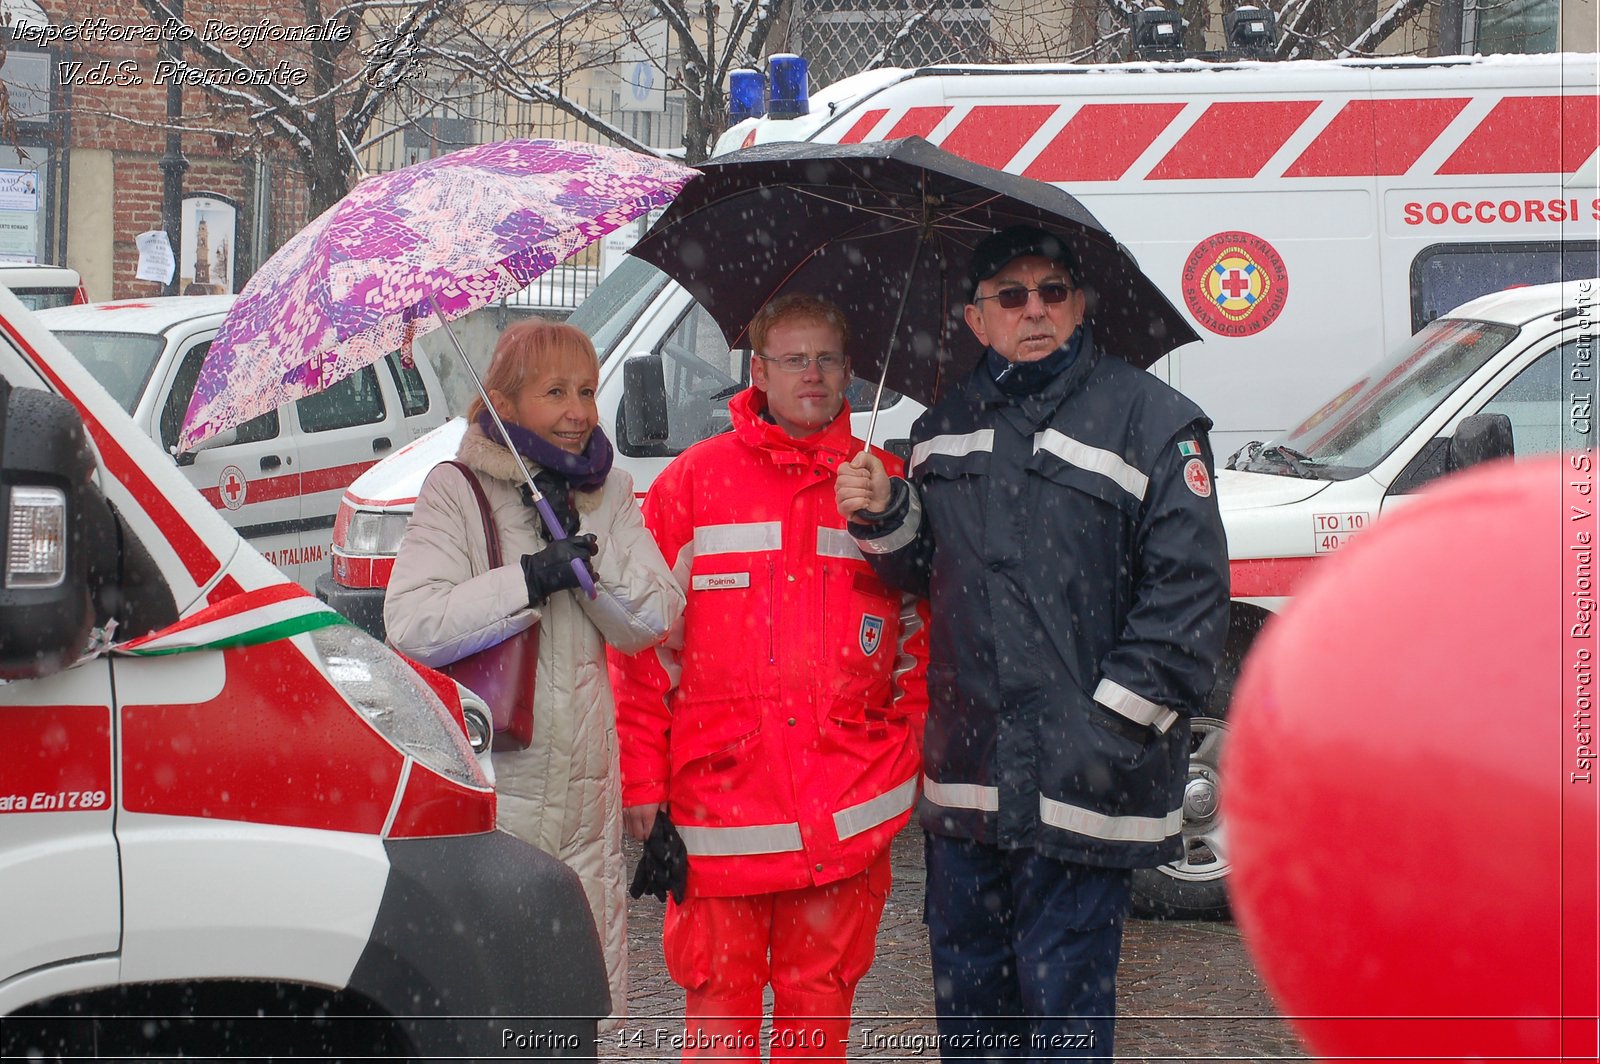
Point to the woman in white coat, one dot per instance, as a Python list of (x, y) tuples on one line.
[(562, 794)]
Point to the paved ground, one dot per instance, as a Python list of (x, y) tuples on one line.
[(1186, 991)]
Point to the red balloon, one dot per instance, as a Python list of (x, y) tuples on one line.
[(1413, 781)]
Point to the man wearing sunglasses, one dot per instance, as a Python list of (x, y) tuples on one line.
[(781, 723), (1060, 514)]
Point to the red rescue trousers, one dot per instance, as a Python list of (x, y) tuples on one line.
[(813, 945)]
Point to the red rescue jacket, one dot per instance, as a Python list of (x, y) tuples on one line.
[(782, 719)]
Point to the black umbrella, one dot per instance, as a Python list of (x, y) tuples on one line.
[(885, 230)]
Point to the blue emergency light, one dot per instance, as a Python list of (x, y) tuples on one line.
[(789, 96), (746, 89)]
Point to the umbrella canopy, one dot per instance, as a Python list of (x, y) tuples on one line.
[(362, 280), (872, 225)]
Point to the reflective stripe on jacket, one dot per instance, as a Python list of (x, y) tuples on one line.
[(782, 719)]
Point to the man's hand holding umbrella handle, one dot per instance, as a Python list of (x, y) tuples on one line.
[(862, 484)]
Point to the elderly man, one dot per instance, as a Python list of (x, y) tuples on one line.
[(1059, 512), (781, 722)]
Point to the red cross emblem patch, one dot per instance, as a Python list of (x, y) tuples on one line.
[(871, 633), (1195, 475)]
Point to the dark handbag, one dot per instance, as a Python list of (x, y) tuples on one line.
[(502, 675)]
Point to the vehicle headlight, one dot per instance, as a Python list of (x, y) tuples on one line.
[(374, 533), (391, 695)]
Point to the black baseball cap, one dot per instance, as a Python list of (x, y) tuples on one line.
[(997, 249)]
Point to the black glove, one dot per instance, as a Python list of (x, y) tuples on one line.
[(551, 569), (557, 491), (665, 864)]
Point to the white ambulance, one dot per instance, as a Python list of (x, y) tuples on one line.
[(1308, 217), (232, 823)]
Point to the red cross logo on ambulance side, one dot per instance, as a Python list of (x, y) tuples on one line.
[(232, 487), (1235, 284)]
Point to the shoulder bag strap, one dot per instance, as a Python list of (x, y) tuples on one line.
[(491, 535)]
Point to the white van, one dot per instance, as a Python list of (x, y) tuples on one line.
[(277, 478), (231, 823), (40, 287)]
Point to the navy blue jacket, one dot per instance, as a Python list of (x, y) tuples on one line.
[(1072, 548)]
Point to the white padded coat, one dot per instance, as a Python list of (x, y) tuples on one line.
[(563, 793)]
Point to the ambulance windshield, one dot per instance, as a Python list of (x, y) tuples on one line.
[(616, 301), (121, 362), (1354, 430)]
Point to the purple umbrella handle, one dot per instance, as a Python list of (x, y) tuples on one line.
[(557, 532)]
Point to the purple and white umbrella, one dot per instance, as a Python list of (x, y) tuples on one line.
[(362, 280), (404, 253)]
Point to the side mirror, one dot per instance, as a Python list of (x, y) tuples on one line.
[(1480, 438), (644, 400), (53, 521), (225, 438)]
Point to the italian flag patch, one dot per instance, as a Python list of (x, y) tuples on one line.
[(244, 619), (1189, 449)]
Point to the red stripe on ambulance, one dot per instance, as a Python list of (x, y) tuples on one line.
[(1530, 135), (1233, 140), (863, 126), (290, 485), (58, 758), (344, 782), (1267, 577), (1376, 138), (917, 122), (1102, 141), (992, 136)]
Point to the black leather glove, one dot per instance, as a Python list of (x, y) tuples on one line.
[(551, 569), (664, 867), (557, 491)]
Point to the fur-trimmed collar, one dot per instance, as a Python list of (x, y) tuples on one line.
[(491, 459)]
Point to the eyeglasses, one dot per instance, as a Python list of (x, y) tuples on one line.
[(1016, 297), (800, 363)]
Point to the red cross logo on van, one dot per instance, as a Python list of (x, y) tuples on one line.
[(1235, 284), (232, 486)]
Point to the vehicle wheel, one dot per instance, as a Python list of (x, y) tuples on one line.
[(1194, 886)]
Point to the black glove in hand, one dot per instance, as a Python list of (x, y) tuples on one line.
[(665, 865), (557, 491), (551, 569)]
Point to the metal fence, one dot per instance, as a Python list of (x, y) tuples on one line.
[(844, 37)]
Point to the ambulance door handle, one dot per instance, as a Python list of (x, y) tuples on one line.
[(381, 444), (271, 461)]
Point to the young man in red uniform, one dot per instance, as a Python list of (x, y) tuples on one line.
[(781, 722)]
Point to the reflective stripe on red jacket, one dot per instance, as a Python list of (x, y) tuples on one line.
[(782, 719)]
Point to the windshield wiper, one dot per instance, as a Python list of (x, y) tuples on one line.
[(1273, 458), (1298, 463)]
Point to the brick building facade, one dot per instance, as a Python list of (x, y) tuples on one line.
[(99, 143)]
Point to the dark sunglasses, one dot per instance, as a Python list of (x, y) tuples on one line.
[(1016, 297)]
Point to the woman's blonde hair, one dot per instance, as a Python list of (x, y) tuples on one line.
[(528, 349)]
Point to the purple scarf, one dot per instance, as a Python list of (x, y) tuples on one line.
[(586, 471)]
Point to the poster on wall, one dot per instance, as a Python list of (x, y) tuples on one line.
[(205, 251), (19, 215)]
